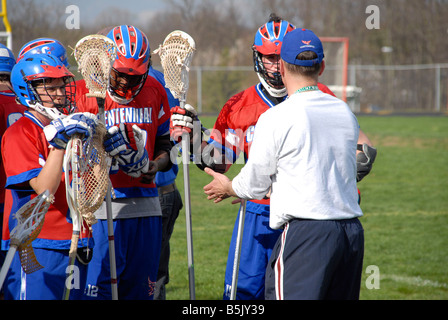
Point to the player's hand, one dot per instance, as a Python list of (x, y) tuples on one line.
[(59, 131), (364, 160), (182, 121), (150, 175), (126, 143)]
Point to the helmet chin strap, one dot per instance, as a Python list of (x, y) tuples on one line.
[(116, 99), (277, 93), (51, 113)]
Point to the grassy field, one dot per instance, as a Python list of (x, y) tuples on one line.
[(405, 204)]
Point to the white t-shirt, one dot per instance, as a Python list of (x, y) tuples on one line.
[(305, 149)]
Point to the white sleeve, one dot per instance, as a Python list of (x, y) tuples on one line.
[(254, 179)]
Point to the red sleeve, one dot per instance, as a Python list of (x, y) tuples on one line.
[(325, 89)]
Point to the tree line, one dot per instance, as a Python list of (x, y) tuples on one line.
[(415, 30)]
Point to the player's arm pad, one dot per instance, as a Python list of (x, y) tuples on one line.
[(208, 160), (364, 160)]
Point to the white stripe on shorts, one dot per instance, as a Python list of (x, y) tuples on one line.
[(279, 268)]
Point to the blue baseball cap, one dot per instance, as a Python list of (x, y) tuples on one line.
[(298, 41)]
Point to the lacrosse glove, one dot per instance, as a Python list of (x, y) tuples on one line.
[(59, 131), (364, 160), (126, 143), (182, 121)]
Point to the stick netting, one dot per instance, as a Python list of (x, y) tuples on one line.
[(176, 54), (95, 55), (30, 219), (91, 174)]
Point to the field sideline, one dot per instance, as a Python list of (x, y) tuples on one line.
[(405, 204)]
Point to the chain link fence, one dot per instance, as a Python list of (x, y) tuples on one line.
[(371, 88)]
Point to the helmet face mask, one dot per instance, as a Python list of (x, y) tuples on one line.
[(266, 55), (272, 62), (123, 87), (57, 93)]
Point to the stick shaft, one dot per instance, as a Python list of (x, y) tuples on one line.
[(111, 237), (71, 263), (6, 264), (236, 259), (187, 201), (110, 223)]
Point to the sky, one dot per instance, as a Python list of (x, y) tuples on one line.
[(143, 9)]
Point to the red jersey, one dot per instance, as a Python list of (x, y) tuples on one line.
[(10, 112), (150, 111), (24, 151), (234, 128)]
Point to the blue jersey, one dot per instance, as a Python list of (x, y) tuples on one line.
[(167, 177)]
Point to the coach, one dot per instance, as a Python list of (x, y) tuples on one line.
[(304, 151)]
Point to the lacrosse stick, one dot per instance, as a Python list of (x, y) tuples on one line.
[(95, 55), (89, 165), (30, 219), (239, 240), (176, 54)]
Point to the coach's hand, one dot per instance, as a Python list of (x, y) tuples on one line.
[(364, 160), (59, 131), (220, 188)]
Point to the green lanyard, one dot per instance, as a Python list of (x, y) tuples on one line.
[(308, 88)]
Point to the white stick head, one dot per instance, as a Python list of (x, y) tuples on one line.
[(176, 54), (30, 219), (95, 55)]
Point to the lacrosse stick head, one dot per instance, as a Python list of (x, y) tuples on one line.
[(95, 55), (30, 219), (89, 164), (176, 54)]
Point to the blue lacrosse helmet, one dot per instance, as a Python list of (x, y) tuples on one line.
[(7, 60), (45, 46), (132, 63), (268, 41), (38, 68)]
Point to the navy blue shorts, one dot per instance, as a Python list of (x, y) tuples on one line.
[(137, 250), (47, 283), (316, 260)]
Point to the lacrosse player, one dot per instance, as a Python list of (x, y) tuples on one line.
[(233, 133), (10, 111), (137, 117), (309, 164), (32, 151)]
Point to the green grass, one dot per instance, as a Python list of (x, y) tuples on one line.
[(405, 204)]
